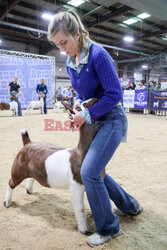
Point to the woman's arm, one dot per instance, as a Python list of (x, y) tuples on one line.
[(9, 88), (107, 76)]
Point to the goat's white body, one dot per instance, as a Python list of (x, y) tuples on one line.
[(58, 169), (35, 104), (57, 106), (14, 107), (60, 176)]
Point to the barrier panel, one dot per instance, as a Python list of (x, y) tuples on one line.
[(158, 100), (137, 99), (148, 101)]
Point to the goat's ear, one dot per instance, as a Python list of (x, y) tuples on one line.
[(68, 107), (90, 102)]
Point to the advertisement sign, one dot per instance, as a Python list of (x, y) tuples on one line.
[(158, 100), (128, 98), (135, 99), (141, 97)]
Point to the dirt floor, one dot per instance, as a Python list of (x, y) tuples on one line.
[(46, 220)]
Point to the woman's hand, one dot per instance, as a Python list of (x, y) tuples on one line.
[(76, 119)]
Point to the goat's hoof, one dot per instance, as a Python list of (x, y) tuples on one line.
[(7, 205), (28, 192), (86, 232)]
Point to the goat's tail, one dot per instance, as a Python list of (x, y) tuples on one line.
[(25, 136)]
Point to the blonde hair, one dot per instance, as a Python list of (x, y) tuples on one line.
[(69, 22)]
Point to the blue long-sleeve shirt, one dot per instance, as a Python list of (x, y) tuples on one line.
[(42, 88), (97, 79)]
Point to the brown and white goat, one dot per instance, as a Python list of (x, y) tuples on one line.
[(54, 167), (13, 105)]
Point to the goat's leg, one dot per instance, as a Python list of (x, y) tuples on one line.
[(77, 198), (30, 109), (41, 110), (29, 185), (16, 111), (13, 182), (27, 110), (8, 196)]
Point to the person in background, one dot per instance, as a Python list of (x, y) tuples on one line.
[(141, 86), (67, 94), (151, 86), (159, 87), (93, 75), (73, 96), (155, 84), (132, 86), (63, 93), (43, 88), (14, 89), (59, 94)]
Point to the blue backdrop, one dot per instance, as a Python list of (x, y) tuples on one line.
[(29, 72)]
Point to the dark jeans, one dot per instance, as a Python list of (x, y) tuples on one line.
[(45, 107)]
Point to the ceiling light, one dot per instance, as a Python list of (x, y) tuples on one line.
[(130, 21), (123, 25), (144, 15), (164, 38), (47, 16), (63, 53), (128, 39), (144, 66), (60, 69), (0, 41), (76, 3)]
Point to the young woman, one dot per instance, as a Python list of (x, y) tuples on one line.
[(93, 75), (14, 89), (42, 88)]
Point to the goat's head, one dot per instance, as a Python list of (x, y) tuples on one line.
[(41, 95), (86, 104), (14, 98)]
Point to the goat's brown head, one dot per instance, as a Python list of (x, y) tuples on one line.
[(86, 104), (14, 98)]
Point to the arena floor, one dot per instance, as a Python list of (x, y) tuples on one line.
[(46, 221)]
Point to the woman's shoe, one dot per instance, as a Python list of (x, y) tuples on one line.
[(97, 239)]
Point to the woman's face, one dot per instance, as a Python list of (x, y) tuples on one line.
[(67, 43)]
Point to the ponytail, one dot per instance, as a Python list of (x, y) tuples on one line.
[(69, 22)]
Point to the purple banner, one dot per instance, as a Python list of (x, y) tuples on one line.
[(158, 100), (140, 100)]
